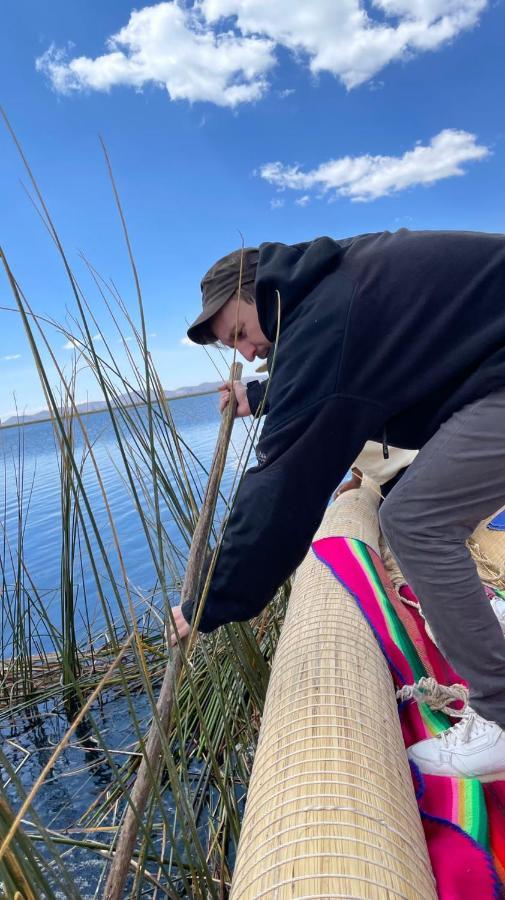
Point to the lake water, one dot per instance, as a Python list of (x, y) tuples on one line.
[(81, 773), (197, 420)]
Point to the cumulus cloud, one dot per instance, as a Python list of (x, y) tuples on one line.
[(302, 201), (11, 356), (222, 51), (369, 177), (185, 341), (344, 38), (170, 46), (276, 203)]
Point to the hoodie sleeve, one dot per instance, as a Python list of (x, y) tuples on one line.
[(281, 503), (256, 391)]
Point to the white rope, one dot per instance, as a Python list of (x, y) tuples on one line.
[(437, 696)]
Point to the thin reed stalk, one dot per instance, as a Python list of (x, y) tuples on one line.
[(71, 669)]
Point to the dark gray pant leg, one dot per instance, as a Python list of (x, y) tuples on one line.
[(457, 480)]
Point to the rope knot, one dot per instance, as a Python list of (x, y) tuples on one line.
[(437, 696)]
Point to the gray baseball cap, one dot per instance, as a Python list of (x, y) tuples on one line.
[(219, 284)]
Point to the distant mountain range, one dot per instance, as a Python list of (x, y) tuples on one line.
[(95, 406)]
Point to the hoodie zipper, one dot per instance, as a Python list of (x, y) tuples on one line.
[(385, 448)]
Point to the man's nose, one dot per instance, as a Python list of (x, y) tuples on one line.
[(247, 350)]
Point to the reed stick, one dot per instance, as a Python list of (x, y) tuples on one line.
[(151, 763)]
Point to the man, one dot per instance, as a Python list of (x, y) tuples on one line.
[(391, 337)]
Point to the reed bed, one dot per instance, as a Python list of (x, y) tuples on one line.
[(77, 698)]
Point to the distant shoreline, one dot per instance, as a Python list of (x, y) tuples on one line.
[(104, 409)]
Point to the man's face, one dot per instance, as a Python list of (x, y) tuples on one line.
[(237, 325)]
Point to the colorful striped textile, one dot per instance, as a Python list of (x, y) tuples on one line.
[(464, 821)]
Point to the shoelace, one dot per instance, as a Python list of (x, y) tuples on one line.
[(469, 723)]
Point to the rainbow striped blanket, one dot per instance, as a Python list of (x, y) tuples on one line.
[(464, 821)]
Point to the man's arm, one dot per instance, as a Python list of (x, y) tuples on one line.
[(281, 503)]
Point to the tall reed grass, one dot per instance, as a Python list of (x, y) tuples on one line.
[(188, 835)]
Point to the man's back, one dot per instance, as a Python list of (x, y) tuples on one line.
[(413, 321)]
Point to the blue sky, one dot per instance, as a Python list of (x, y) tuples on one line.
[(278, 120)]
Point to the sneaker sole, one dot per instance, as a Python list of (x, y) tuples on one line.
[(496, 776), (484, 779)]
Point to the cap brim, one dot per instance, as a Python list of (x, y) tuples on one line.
[(221, 282), (200, 331)]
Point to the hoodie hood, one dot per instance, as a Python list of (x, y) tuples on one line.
[(294, 271)]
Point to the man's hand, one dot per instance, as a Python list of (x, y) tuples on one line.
[(351, 485), (240, 391), (182, 626)]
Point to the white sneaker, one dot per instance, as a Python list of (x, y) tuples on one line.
[(499, 610), (474, 748)]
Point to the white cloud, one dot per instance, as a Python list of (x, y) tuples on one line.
[(75, 344), (185, 341), (128, 338), (342, 37), (221, 51), (302, 201), (276, 204), (11, 356), (369, 177), (169, 46)]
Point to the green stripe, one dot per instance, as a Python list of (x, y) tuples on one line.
[(475, 821), (396, 628)]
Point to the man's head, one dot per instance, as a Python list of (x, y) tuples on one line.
[(229, 315), (237, 325)]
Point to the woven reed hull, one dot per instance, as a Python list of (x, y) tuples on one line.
[(488, 550), (331, 810)]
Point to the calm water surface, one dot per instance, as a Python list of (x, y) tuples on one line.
[(197, 420), (81, 772)]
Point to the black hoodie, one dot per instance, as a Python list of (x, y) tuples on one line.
[(378, 332)]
